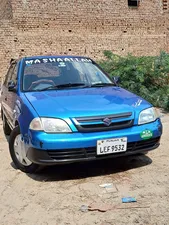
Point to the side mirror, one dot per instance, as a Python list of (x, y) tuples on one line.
[(12, 86), (116, 80)]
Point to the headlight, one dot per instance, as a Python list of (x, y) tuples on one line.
[(50, 125), (36, 124), (148, 115)]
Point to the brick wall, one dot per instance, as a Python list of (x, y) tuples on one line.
[(5, 9), (83, 28), (5, 34)]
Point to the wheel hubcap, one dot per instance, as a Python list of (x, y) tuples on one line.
[(20, 151)]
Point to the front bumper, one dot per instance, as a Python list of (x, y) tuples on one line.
[(87, 154), (49, 149), (44, 141)]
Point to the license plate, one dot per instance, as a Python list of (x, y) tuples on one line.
[(111, 146)]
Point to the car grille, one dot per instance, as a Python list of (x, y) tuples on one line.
[(90, 153), (99, 123)]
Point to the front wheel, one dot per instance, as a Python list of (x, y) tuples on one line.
[(18, 153)]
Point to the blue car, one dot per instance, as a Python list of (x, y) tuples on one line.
[(65, 109)]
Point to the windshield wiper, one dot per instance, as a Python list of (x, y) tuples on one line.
[(59, 86), (69, 85), (101, 84)]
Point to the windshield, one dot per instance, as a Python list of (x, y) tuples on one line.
[(51, 73)]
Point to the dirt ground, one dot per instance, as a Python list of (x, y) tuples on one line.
[(56, 194)]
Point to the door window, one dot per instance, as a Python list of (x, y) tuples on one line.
[(9, 75), (14, 73)]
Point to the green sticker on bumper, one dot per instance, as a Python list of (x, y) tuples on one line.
[(146, 134)]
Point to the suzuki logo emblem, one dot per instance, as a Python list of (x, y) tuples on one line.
[(107, 121)]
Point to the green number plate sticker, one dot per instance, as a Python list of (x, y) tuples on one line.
[(146, 134)]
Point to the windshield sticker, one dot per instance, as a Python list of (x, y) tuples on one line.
[(59, 60), (62, 64)]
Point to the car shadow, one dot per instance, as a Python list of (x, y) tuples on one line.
[(7, 138), (90, 169), (13, 165)]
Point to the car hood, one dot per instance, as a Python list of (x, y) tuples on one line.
[(85, 102)]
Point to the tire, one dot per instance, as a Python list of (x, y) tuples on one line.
[(6, 128), (19, 156)]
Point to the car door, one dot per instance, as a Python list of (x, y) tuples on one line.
[(9, 97)]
